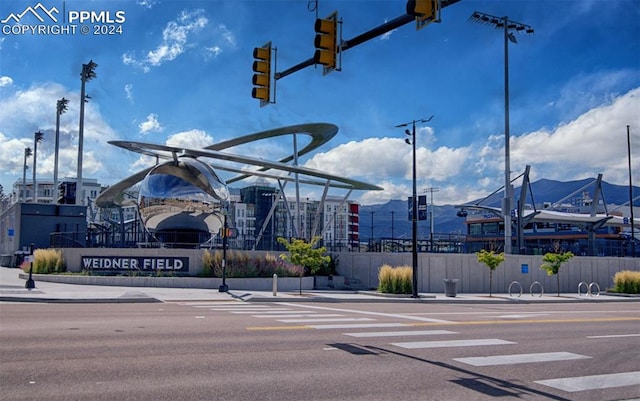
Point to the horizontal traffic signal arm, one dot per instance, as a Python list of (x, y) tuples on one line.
[(363, 37)]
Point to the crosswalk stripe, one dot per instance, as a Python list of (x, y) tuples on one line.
[(344, 319), (520, 358), (452, 343), (356, 326), (275, 311), (581, 383), (400, 333), (296, 316), (235, 307)]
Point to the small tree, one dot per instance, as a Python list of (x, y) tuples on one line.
[(491, 260), (553, 261), (305, 254)]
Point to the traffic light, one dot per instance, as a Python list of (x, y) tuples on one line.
[(326, 43), (425, 11), (262, 77)]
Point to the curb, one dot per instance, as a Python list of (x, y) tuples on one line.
[(140, 300)]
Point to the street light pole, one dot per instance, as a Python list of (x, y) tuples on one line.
[(87, 74), (506, 24), (414, 205)]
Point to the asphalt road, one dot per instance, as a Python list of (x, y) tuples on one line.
[(319, 351)]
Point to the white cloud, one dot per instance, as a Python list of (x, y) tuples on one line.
[(5, 81), (128, 90), (146, 3), (192, 139), (213, 51), (175, 40), (24, 112), (227, 35), (593, 143), (151, 124)]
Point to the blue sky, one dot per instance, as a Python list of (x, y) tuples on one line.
[(180, 74)]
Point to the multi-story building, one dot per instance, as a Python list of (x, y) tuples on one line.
[(46, 191)]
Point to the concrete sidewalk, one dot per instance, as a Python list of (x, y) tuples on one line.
[(12, 289)]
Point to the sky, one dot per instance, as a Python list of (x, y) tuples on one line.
[(179, 73)]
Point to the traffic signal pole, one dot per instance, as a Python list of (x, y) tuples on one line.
[(363, 37)]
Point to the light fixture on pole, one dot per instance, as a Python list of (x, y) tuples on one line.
[(508, 26), (27, 153), (61, 107), (414, 205), (37, 138), (87, 74)]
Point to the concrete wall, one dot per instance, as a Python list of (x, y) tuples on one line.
[(473, 277)]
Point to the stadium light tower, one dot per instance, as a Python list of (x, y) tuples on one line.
[(61, 107), (87, 74), (37, 138), (507, 26), (27, 153), (414, 204)]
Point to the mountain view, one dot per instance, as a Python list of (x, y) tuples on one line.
[(391, 219)]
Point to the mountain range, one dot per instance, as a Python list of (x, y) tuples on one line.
[(391, 219)]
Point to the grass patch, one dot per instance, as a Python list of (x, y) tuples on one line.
[(627, 282), (395, 280), (241, 265), (45, 261)]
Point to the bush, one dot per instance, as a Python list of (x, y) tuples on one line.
[(241, 265), (627, 282), (45, 261), (396, 280)]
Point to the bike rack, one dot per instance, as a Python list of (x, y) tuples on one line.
[(533, 285), (589, 289), (519, 285)]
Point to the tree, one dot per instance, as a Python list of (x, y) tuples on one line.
[(305, 254), (491, 260), (553, 261)]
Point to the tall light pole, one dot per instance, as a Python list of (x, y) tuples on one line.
[(414, 205), (87, 74), (37, 138), (27, 153), (633, 233), (507, 25), (61, 107)]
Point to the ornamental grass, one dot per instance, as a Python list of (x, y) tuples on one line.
[(627, 282), (395, 280)]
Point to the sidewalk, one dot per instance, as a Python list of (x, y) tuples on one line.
[(12, 289)]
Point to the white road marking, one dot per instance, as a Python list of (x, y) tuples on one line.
[(298, 316), (615, 336), (452, 343), (266, 312), (392, 315), (522, 316), (400, 333), (356, 326), (234, 307), (345, 319), (520, 358), (581, 383)]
